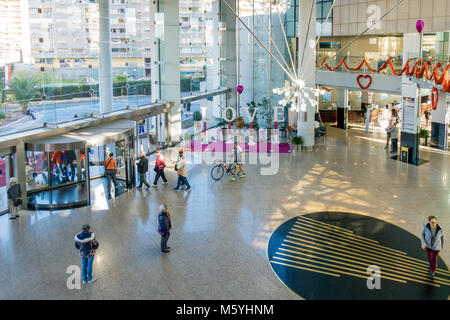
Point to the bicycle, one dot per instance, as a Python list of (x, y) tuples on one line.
[(220, 168)]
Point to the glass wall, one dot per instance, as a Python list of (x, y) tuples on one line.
[(52, 75)]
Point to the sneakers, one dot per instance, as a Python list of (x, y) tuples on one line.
[(187, 189), (139, 187), (148, 187), (168, 248), (233, 179), (83, 282), (166, 182), (11, 218), (164, 251), (242, 176), (93, 280), (154, 185)]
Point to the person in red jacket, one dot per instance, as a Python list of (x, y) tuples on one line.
[(58, 159), (160, 164)]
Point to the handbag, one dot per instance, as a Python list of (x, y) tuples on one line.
[(18, 202)]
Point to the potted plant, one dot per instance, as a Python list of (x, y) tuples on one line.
[(197, 117), (424, 134), (297, 141)]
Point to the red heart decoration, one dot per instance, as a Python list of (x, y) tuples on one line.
[(364, 76), (434, 98)]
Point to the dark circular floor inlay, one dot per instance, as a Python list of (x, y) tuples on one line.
[(325, 255)]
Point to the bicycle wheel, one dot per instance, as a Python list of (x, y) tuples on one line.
[(217, 172), (233, 169)]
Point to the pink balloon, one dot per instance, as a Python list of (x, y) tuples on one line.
[(240, 88), (419, 26)]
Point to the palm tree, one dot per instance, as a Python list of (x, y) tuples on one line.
[(24, 87)]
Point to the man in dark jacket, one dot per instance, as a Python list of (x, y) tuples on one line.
[(14, 194), (85, 242), (142, 166), (432, 238), (164, 226)]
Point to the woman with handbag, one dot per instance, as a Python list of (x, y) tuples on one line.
[(160, 164), (14, 198)]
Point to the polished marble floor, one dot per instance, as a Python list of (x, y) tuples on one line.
[(220, 229)]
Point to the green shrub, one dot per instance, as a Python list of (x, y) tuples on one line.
[(424, 133), (197, 116), (297, 140)]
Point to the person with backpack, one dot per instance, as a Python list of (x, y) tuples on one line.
[(160, 164), (14, 198), (432, 238), (164, 226), (142, 166), (86, 243)]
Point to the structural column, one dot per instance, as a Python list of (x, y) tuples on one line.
[(410, 99), (170, 73), (342, 108), (307, 52), (105, 77), (439, 123), (213, 56), (229, 46), (154, 49)]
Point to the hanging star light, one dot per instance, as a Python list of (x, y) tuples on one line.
[(296, 94), (280, 6)]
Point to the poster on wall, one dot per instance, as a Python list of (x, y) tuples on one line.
[(409, 115)]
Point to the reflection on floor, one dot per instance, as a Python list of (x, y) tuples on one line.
[(325, 255), (220, 229), (72, 196)]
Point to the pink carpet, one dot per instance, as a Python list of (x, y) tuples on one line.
[(228, 147)]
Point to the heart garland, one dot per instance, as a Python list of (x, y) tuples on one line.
[(358, 78), (434, 98)]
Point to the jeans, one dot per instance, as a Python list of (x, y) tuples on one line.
[(432, 259), (86, 268), (184, 180), (164, 239), (111, 174), (143, 180), (394, 143), (161, 174)]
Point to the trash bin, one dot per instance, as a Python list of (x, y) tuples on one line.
[(406, 154)]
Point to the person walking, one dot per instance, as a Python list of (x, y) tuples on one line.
[(110, 171), (180, 167), (394, 138), (164, 226), (427, 115), (388, 134), (238, 161), (160, 164), (86, 243), (432, 238), (142, 165), (14, 198)]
